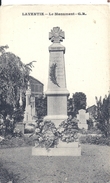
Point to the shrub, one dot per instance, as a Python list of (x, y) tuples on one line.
[(94, 130), (89, 139), (103, 114), (90, 123)]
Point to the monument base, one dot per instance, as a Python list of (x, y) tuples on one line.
[(83, 125), (63, 149), (56, 119)]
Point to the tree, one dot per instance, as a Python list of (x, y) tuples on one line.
[(41, 106), (79, 101), (14, 76), (103, 114), (70, 107)]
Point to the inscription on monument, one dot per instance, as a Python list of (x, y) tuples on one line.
[(58, 73)]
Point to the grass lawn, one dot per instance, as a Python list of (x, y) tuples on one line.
[(92, 167)]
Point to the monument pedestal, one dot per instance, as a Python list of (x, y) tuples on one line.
[(57, 106), (56, 119)]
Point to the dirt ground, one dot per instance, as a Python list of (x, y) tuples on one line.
[(92, 167)]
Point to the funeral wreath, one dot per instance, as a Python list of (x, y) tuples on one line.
[(48, 136)]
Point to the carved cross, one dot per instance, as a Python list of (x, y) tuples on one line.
[(56, 35)]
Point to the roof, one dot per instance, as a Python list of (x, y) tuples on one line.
[(31, 77), (91, 107)]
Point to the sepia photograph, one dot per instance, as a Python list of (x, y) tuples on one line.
[(55, 93)]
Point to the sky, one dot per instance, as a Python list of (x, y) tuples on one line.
[(86, 41)]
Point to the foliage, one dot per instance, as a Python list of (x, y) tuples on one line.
[(18, 114), (8, 125), (94, 130), (5, 108), (97, 140), (41, 106), (12, 79), (104, 127), (103, 114), (70, 107), (2, 48), (14, 76), (79, 101), (11, 142), (90, 123)]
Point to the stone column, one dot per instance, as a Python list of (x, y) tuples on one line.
[(27, 115), (20, 100), (57, 92), (33, 106)]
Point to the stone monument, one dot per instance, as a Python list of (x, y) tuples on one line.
[(82, 118), (57, 92), (30, 106)]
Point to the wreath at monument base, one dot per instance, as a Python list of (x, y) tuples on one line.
[(48, 136), (68, 130)]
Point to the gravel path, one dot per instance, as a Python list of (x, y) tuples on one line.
[(92, 167)]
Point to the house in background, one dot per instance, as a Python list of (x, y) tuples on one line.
[(92, 110), (35, 89)]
